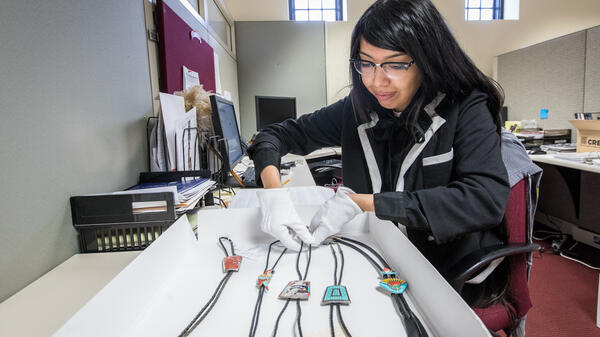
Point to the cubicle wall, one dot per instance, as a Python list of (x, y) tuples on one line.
[(561, 75), (591, 101), (548, 75), (74, 90), (280, 58)]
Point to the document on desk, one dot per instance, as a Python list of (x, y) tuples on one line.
[(172, 110), (188, 157), (157, 148)]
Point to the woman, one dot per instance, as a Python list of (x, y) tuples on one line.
[(420, 137)]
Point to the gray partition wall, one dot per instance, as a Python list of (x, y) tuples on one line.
[(561, 75), (592, 71), (548, 75), (280, 58), (74, 87)]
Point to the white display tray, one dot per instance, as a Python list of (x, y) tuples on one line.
[(164, 287)]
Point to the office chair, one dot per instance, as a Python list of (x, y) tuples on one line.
[(498, 317)]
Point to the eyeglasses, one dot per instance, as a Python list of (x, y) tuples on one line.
[(391, 69)]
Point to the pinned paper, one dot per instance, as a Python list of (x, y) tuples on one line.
[(190, 78), (544, 114)]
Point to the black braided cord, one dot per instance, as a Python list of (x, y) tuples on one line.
[(261, 291), (337, 281), (303, 278), (412, 324), (215, 296)]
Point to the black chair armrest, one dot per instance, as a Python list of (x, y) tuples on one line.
[(464, 269)]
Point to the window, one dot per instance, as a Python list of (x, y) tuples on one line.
[(484, 10), (219, 23), (316, 10)]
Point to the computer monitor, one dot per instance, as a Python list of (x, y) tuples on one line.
[(226, 127), (271, 110)]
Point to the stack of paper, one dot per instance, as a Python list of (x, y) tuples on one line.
[(565, 147), (174, 140), (186, 193), (530, 134), (580, 157)]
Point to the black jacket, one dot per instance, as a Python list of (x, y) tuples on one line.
[(452, 186)]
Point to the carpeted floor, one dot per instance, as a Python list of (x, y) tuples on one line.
[(564, 295)]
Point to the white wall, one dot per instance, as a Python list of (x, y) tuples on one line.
[(258, 10), (283, 59), (540, 20)]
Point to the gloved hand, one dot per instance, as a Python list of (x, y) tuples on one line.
[(280, 219), (334, 213)]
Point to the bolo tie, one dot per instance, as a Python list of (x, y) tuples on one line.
[(391, 284), (296, 290), (336, 294), (231, 264), (263, 284)]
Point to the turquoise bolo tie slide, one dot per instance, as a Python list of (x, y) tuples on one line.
[(336, 295), (393, 285)]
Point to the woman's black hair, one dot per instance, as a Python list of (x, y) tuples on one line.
[(415, 27)]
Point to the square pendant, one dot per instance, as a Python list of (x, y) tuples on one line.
[(232, 263), (297, 290), (336, 295)]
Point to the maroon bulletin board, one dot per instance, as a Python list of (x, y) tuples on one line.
[(177, 48)]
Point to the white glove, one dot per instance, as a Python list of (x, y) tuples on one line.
[(334, 214), (280, 219)]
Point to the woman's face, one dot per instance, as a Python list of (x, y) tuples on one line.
[(392, 93)]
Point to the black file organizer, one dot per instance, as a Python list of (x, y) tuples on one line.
[(107, 223)]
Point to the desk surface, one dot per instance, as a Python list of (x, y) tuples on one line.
[(549, 159), (47, 303)]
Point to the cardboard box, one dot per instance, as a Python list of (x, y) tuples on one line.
[(588, 135)]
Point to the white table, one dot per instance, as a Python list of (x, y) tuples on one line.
[(549, 159)]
